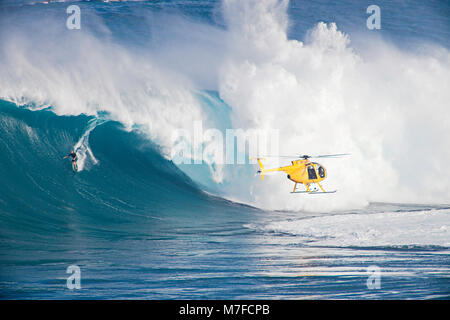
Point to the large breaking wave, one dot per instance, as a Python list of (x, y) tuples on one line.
[(128, 187), (385, 106)]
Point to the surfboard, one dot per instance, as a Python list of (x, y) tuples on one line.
[(74, 167)]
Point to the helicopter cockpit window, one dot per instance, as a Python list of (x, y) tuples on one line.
[(321, 172), (312, 173)]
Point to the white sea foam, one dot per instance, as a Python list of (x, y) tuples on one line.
[(419, 228)]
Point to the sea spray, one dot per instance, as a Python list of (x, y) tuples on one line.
[(82, 148)]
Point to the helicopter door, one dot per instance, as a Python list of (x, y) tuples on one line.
[(311, 173)]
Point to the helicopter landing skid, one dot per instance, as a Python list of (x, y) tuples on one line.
[(315, 192)]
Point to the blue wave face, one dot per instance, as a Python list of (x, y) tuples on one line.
[(130, 184), (132, 201)]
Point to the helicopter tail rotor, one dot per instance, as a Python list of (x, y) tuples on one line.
[(260, 172)]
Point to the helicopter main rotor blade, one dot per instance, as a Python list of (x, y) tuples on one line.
[(331, 155), (304, 156), (274, 156)]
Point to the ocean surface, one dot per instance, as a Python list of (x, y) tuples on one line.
[(139, 226)]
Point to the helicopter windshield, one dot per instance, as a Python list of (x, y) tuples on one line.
[(321, 171)]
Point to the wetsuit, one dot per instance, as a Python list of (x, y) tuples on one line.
[(74, 156)]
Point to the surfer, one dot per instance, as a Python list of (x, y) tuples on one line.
[(74, 158)]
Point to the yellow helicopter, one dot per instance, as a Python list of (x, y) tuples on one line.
[(302, 171)]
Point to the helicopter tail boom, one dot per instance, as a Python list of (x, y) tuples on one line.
[(262, 170)]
